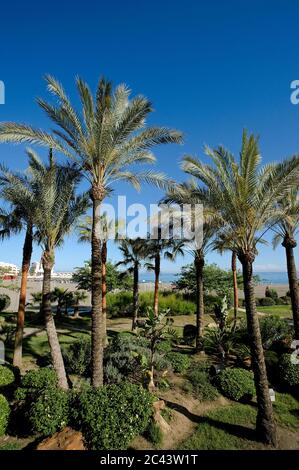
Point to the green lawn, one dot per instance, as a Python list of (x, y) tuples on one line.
[(282, 310), (232, 427)]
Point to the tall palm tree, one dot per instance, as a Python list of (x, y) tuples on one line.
[(105, 139), (156, 248), (18, 191), (58, 209), (59, 295), (285, 233), (244, 194), (133, 252), (77, 297)]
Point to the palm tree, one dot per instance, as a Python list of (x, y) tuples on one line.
[(285, 233), (156, 248), (18, 191), (105, 139), (77, 297), (181, 194), (133, 252), (59, 295), (244, 195), (57, 212)]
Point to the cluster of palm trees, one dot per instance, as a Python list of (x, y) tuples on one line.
[(242, 200)]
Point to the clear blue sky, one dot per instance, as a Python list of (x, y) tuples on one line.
[(210, 69)]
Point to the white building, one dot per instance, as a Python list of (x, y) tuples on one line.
[(8, 269)]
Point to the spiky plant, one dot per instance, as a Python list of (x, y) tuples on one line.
[(244, 194), (285, 233), (106, 140)]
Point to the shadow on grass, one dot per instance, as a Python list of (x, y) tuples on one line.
[(236, 430)]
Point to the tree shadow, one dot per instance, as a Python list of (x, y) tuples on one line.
[(236, 430)]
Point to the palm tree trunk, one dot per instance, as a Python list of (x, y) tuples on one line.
[(27, 252), (104, 289), (135, 296), (199, 265), (58, 364), (265, 424), (97, 329), (76, 311), (235, 284), (289, 244), (156, 291)]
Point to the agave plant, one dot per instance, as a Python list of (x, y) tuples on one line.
[(107, 139)]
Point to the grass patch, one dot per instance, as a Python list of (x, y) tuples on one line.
[(282, 310)]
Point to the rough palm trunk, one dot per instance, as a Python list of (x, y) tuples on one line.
[(55, 349), (235, 286), (289, 244), (156, 291), (97, 330), (199, 265), (104, 288), (27, 252), (76, 311), (265, 424), (135, 296)]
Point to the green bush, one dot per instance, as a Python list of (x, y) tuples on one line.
[(236, 384), (4, 302), (164, 347), (154, 433), (77, 357), (271, 293), (7, 377), (266, 302), (35, 382), (110, 417), (201, 385), (4, 414), (288, 373), (273, 329), (50, 412), (178, 361)]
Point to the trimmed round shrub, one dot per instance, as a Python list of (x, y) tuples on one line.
[(4, 302), (236, 384), (288, 373), (50, 412), (271, 293), (274, 329), (178, 361), (77, 357), (35, 381), (4, 414), (201, 385), (267, 302), (110, 417), (7, 377)]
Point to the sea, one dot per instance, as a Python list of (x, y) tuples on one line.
[(265, 277)]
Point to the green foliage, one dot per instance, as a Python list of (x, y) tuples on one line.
[(288, 373), (236, 384), (271, 293), (164, 347), (49, 412), (179, 362), (4, 414), (202, 387), (7, 377), (4, 302), (112, 416), (266, 302), (77, 357), (35, 382), (154, 433), (214, 278), (273, 329), (114, 278)]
